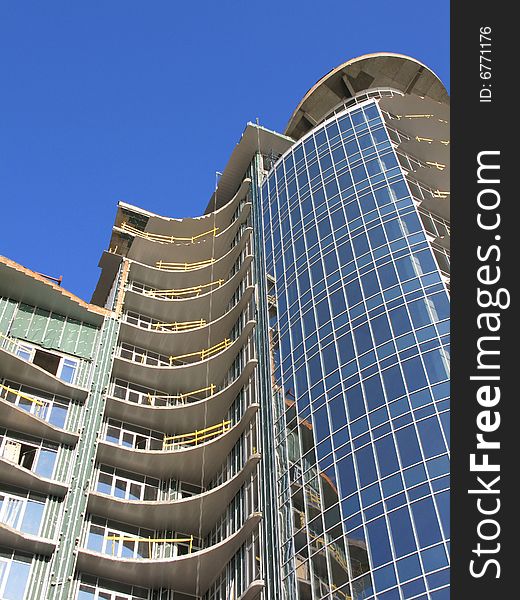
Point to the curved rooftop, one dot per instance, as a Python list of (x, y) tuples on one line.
[(382, 69)]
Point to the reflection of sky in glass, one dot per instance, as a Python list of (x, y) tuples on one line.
[(32, 517), (17, 579), (362, 317), (45, 465)]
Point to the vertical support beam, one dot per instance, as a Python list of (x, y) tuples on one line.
[(122, 287), (271, 545)]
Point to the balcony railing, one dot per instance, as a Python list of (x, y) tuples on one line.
[(189, 440), (38, 407), (174, 294), (156, 399), (154, 359), (114, 539), (139, 438), (186, 542), (180, 399), (179, 325), (150, 324), (165, 239), (201, 354), (185, 266)]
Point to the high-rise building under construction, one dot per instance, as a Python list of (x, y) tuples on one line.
[(255, 402)]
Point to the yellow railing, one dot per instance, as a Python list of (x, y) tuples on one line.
[(422, 117), (431, 140), (204, 353), (150, 541), (190, 291), (165, 239), (437, 165), (180, 326), (182, 397), (185, 266), (10, 344), (35, 401), (415, 116), (195, 437)]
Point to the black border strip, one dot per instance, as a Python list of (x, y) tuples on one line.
[(481, 126)]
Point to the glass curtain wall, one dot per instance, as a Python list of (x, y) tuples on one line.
[(360, 369)]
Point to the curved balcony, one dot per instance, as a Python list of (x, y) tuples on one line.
[(13, 417), (13, 474), (181, 573), (192, 274), (418, 117), (185, 377), (182, 415), (381, 69), (150, 248), (176, 515), (182, 464), (189, 227), (12, 538), (27, 373), (428, 151), (253, 590), (212, 296), (433, 178), (161, 336), (434, 200)]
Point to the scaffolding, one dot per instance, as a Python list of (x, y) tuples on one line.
[(195, 438), (165, 239)]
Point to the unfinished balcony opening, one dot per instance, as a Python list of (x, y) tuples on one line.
[(137, 394), (40, 458)]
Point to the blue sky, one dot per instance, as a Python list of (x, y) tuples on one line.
[(143, 101)]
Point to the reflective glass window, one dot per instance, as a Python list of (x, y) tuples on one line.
[(431, 437), (408, 445), (426, 523), (393, 382), (366, 465), (414, 374), (386, 455), (379, 544), (373, 392), (402, 532)]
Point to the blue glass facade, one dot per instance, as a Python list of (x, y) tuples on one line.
[(360, 349)]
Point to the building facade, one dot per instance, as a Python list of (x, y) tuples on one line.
[(255, 403)]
